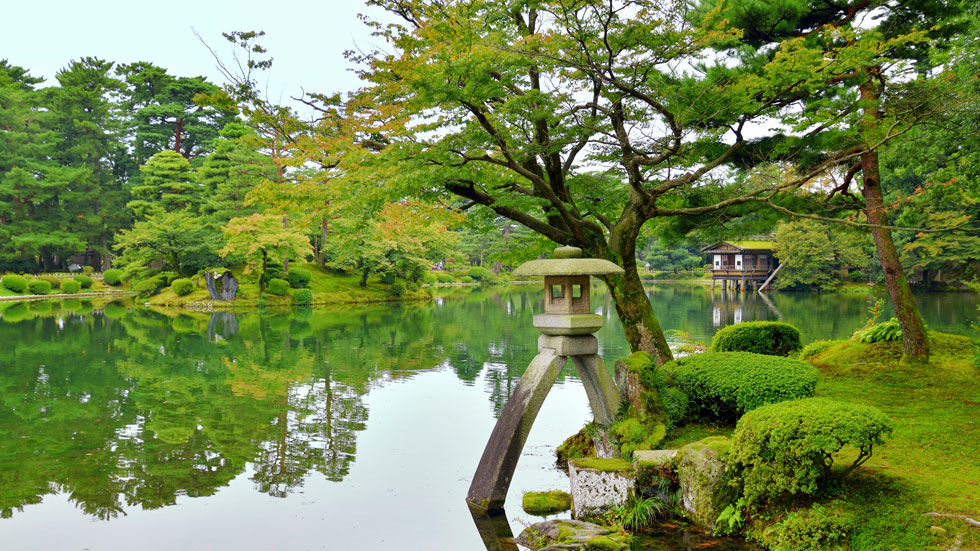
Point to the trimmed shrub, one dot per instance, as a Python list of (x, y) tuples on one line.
[(303, 297), (397, 289), (299, 278), (83, 280), (14, 282), (54, 281), (721, 386), (278, 287), (788, 448), (429, 278), (88, 270), (445, 277), (150, 286), (819, 528), (774, 338), (112, 277), (480, 273), (39, 287), (182, 287), (882, 332), (71, 287)]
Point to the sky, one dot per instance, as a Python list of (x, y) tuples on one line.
[(306, 38)]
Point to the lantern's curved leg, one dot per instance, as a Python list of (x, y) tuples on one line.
[(493, 475), (599, 387)]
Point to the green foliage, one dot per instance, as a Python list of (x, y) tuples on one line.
[(479, 273), (635, 433), (882, 332), (731, 518), (54, 281), (546, 503), (261, 240), (761, 337), (724, 385), (278, 287), (638, 512), (112, 276), (816, 528), (445, 277), (88, 270), (396, 289), (39, 287), (299, 278), (83, 280), (14, 282), (167, 186), (788, 448), (815, 348), (303, 297), (71, 287), (182, 287), (183, 242), (150, 286), (814, 254), (575, 446)]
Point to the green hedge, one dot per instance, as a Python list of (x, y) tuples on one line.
[(83, 280), (39, 287), (112, 277), (14, 282), (182, 287), (303, 297), (789, 448), (278, 287), (480, 273), (54, 281), (150, 286), (299, 278), (445, 277), (721, 386), (70, 287), (774, 338)]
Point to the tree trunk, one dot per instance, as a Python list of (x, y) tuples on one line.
[(640, 324), (262, 275), (913, 329)]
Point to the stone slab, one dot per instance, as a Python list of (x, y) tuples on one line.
[(653, 456), (568, 324)]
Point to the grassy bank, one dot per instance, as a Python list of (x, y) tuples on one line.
[(930, 463), (327, 288)]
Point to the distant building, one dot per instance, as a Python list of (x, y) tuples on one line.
[(740, 263)]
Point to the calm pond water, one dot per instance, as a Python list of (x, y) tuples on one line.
[(357, 428)]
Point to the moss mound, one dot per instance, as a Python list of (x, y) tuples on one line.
[(546, 503)]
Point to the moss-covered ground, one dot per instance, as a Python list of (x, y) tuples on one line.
[(932, 461)]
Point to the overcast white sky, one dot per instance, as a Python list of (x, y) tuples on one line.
[(306, 38)]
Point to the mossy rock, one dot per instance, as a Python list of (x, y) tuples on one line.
[(546, 503), (702, 471), (575, 446), (573, 534)]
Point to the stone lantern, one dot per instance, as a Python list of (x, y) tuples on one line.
[(566, 325)]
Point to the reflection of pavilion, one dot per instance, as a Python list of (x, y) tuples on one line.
[(730, 307)]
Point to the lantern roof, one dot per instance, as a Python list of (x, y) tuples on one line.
[(567, 262)]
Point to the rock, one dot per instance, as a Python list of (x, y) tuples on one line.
[(598, 484), (555, 535), (701, 470), (223, 287), (937, 530)]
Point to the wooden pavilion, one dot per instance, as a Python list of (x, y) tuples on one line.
[(738, 264)]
